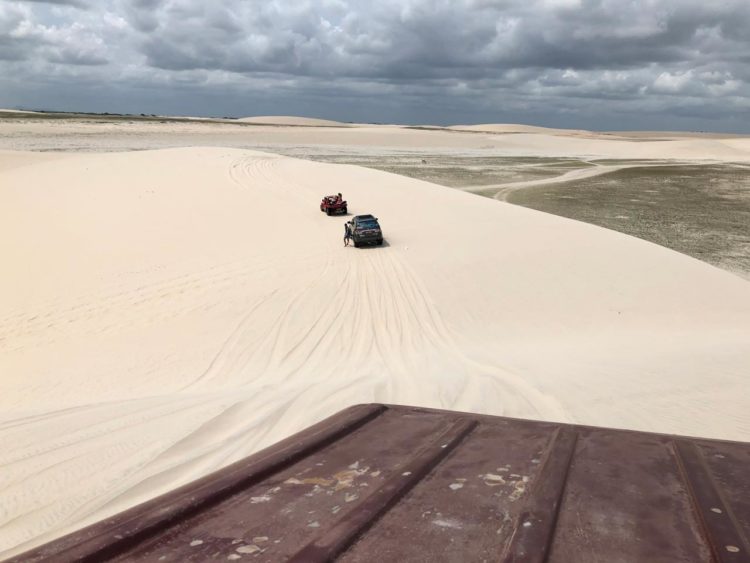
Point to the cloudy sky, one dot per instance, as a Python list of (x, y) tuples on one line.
[(599, 64)]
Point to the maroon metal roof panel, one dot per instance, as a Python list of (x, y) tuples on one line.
[(393, 483)]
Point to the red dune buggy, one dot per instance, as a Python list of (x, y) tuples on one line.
[(333, 205)]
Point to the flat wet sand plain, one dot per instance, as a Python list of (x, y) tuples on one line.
[(700, 210), (473, 173)]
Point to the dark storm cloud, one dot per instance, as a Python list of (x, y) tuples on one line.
[(444, 39), (503, 57)]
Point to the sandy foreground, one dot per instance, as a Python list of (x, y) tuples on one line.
[(164, 313)]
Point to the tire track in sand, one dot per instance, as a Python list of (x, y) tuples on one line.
[(505, 189), (364, 313)]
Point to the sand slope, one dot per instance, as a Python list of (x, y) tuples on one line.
[(22, 111), (518, 128), (586, 146), (86, 135), (163, 313), (291, 120)]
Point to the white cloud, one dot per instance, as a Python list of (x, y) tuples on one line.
[(672, 83)]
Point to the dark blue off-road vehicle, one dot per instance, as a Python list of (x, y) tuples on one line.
[(366, 230)]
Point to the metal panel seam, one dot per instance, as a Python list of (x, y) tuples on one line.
[(329, 545), (532, 538), (718, 522)]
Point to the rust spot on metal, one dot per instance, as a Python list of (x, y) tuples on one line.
[(344, 532)]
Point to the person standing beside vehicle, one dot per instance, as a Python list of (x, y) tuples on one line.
[(347, 233)]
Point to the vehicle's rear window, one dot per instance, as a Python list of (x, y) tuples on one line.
[(368, 225)]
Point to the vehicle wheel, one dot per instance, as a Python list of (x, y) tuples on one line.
[(328, 212), (345, 211), (380, 242), (356, 244)]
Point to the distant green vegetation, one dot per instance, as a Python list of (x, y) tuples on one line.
[(104, 117)]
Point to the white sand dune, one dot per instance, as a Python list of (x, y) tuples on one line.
[(164, 313), (5, 110), (518, 128), (514, 128), (603, 147), (292, 120), (86, 135), (543, 141), (19, 159)]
